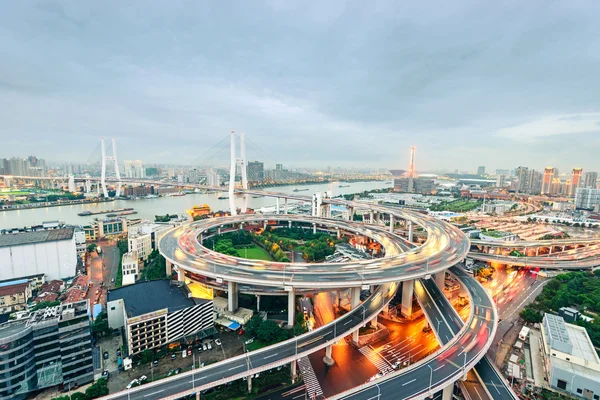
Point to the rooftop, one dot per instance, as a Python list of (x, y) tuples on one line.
[(582, 344), (8, 290), (24, 238), (145, 297)]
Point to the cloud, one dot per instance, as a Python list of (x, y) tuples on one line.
[(566, 124)]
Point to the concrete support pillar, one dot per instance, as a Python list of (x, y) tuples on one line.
[(314, 228), (537, 252), (338, 233), (378, 217), (180, 275), (289, 224), (232, 296), (258, 302), (169, 267), (354, 302), (291, 309), (371, 217), (285, 207), (392, 223), (265, 225), (277, 206), (447, 392), (550, 250), (218, 230), (408, 288), (249, 380), (198, 395), (374, 322), (410, 231), (328, 359), (440, 280), (350, 211), (293, 370)]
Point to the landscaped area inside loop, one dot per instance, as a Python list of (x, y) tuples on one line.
[(279, 244)]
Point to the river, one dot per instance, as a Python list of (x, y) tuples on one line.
[(148, 208)]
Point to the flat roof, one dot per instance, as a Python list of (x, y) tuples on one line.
[(146, 297), (582, 345), (24, 238)]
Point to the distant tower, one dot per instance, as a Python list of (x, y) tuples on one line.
[(234, 162), (113, 158), (411, 170)]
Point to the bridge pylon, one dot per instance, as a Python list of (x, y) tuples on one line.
[(243, 163), (109, 158)]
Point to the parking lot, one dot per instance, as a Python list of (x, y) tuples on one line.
[(231, 345)]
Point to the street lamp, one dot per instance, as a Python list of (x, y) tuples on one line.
[(430, 377)]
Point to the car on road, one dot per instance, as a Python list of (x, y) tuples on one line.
[(241, 332), (173, 356), (118, 353), (105, 374), (178, 370), (209, 346), (143, 378), (204, 347), (171, 372), (113, 280), (105, 355), (396, 365), (155, 363), (218, 342)]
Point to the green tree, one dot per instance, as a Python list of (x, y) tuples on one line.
[(147, 356), (78, 396), (100, 326), (98, 389), (530, 315), (91, 247)]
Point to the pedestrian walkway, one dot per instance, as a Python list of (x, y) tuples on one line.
[(375, 358), (313, 388)]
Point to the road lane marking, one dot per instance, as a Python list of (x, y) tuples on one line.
[(152, 394), (272, 355), (441, 366), (239, 366), (404, 384)]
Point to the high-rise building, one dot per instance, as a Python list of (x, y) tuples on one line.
[(590, 180), (134, 169), (278, 166), (535, 182), (549, 174), (576, 180), (481, 170), (587, 198), (500, 180), (256, 171), (522, 174)]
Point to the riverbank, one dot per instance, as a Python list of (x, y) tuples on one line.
[(29, 206)]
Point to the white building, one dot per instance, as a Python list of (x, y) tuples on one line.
[(140, 243), (587, 198), (80, 245), (134, 169), (571, 361), (129, 264), (155, 313), (49, 252), (500, 181)]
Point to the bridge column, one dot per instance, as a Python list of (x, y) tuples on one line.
[(290, 224), (378, 217), (410, 231), (285, 207), (354, 302), (198, 395), (440, 280), (328, 360), (180, 274), (447, 392), (249, 380), (218, 230), (169, 267), (371, 216), (350, 211), (258, 302), (392, 223), (374, 322), (232, 296), (314, 228), (277, 205), (537, 251), (338, 233), (291, 308), (265, 225), (293, 371), (408, 289)]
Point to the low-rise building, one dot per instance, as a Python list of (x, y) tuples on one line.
[(101, 228), (497, 236), (156, 313), (15, 294), (129, 263), (572, 363), (47, 348)]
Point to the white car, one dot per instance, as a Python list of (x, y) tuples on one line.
[(209, 346), (249, 341), (204, 347), (133, 383), (218, 342), (143, 378)]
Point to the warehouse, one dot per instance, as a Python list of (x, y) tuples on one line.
[(49, 252)]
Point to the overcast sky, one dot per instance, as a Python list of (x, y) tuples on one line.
[(320, 83)]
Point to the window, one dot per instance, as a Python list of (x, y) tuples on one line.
[(596, 397), (561, 384), (112, 308), (579, 391)]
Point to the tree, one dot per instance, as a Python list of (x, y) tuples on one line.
[(147, 356), (78, 396), (91, 247), (100, 326), (530, 315), (98, 389), (61, 398)]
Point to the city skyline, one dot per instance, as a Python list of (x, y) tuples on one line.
[(463, 95)]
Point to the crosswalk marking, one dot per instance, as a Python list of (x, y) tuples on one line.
[(313, 388), (375, 358)]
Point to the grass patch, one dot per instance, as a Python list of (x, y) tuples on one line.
[(257, 344), (255, 253)]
